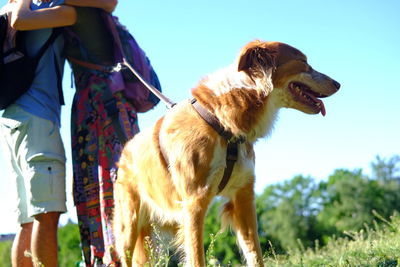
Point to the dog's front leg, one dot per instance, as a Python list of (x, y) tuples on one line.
[(125, 220), (242, 214), (194, 211)]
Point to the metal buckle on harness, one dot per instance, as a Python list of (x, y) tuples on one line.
[(232, 152), (237, 139)]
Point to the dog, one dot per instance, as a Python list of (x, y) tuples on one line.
[(169, 174)]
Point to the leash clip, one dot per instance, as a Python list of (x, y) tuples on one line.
[(118, 67)]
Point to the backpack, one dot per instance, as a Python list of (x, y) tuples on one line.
[(126, 49), (17, 69)]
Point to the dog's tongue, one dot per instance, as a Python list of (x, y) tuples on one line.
[(321, 104), (323, 111)]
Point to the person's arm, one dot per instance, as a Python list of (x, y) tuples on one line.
[(23, 18), (107, 5)]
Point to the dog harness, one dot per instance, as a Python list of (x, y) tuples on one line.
[(233, 142)]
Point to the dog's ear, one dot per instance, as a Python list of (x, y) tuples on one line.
[(255, 57)]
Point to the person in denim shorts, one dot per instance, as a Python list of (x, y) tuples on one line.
[(30, 131)]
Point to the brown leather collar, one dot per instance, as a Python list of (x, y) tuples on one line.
[(211, 119)]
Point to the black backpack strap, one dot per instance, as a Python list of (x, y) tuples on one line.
[(59, 82), (3, 31)]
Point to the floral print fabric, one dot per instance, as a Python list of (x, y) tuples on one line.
[(95, 153)]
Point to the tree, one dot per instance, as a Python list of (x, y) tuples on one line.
[(386, 170), (5, 253), (287, 213), (69, 245), (350, 199)]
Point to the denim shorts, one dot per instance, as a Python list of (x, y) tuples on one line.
[(34, 151)]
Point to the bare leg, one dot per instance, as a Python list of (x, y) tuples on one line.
[(44, 239), (22, 243), (243, 217)]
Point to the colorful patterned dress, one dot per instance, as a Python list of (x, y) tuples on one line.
[(95, 146)]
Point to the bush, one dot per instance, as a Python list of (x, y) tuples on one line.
[(5, 253), (69, 253)]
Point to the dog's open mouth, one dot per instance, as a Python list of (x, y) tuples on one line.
[(305, 95)]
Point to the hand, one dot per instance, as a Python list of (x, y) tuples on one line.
[(109, 5), (7, 7), (15, 7), (24, 19)]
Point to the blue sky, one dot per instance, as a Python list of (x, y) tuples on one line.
[(355, 42)]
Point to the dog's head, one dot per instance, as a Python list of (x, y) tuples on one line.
[(295, 83)]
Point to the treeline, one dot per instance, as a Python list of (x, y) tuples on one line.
[(302, 212)]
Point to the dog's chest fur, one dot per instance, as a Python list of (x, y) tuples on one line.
[(197, 154), (243, 171)]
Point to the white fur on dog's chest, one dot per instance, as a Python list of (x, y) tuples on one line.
[(243, 170)]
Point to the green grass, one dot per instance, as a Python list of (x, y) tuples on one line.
[(378, 247), (370, 247)]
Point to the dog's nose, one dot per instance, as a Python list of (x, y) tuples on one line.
[(336, 84)]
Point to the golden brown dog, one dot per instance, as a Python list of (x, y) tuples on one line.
[(169, 174)]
